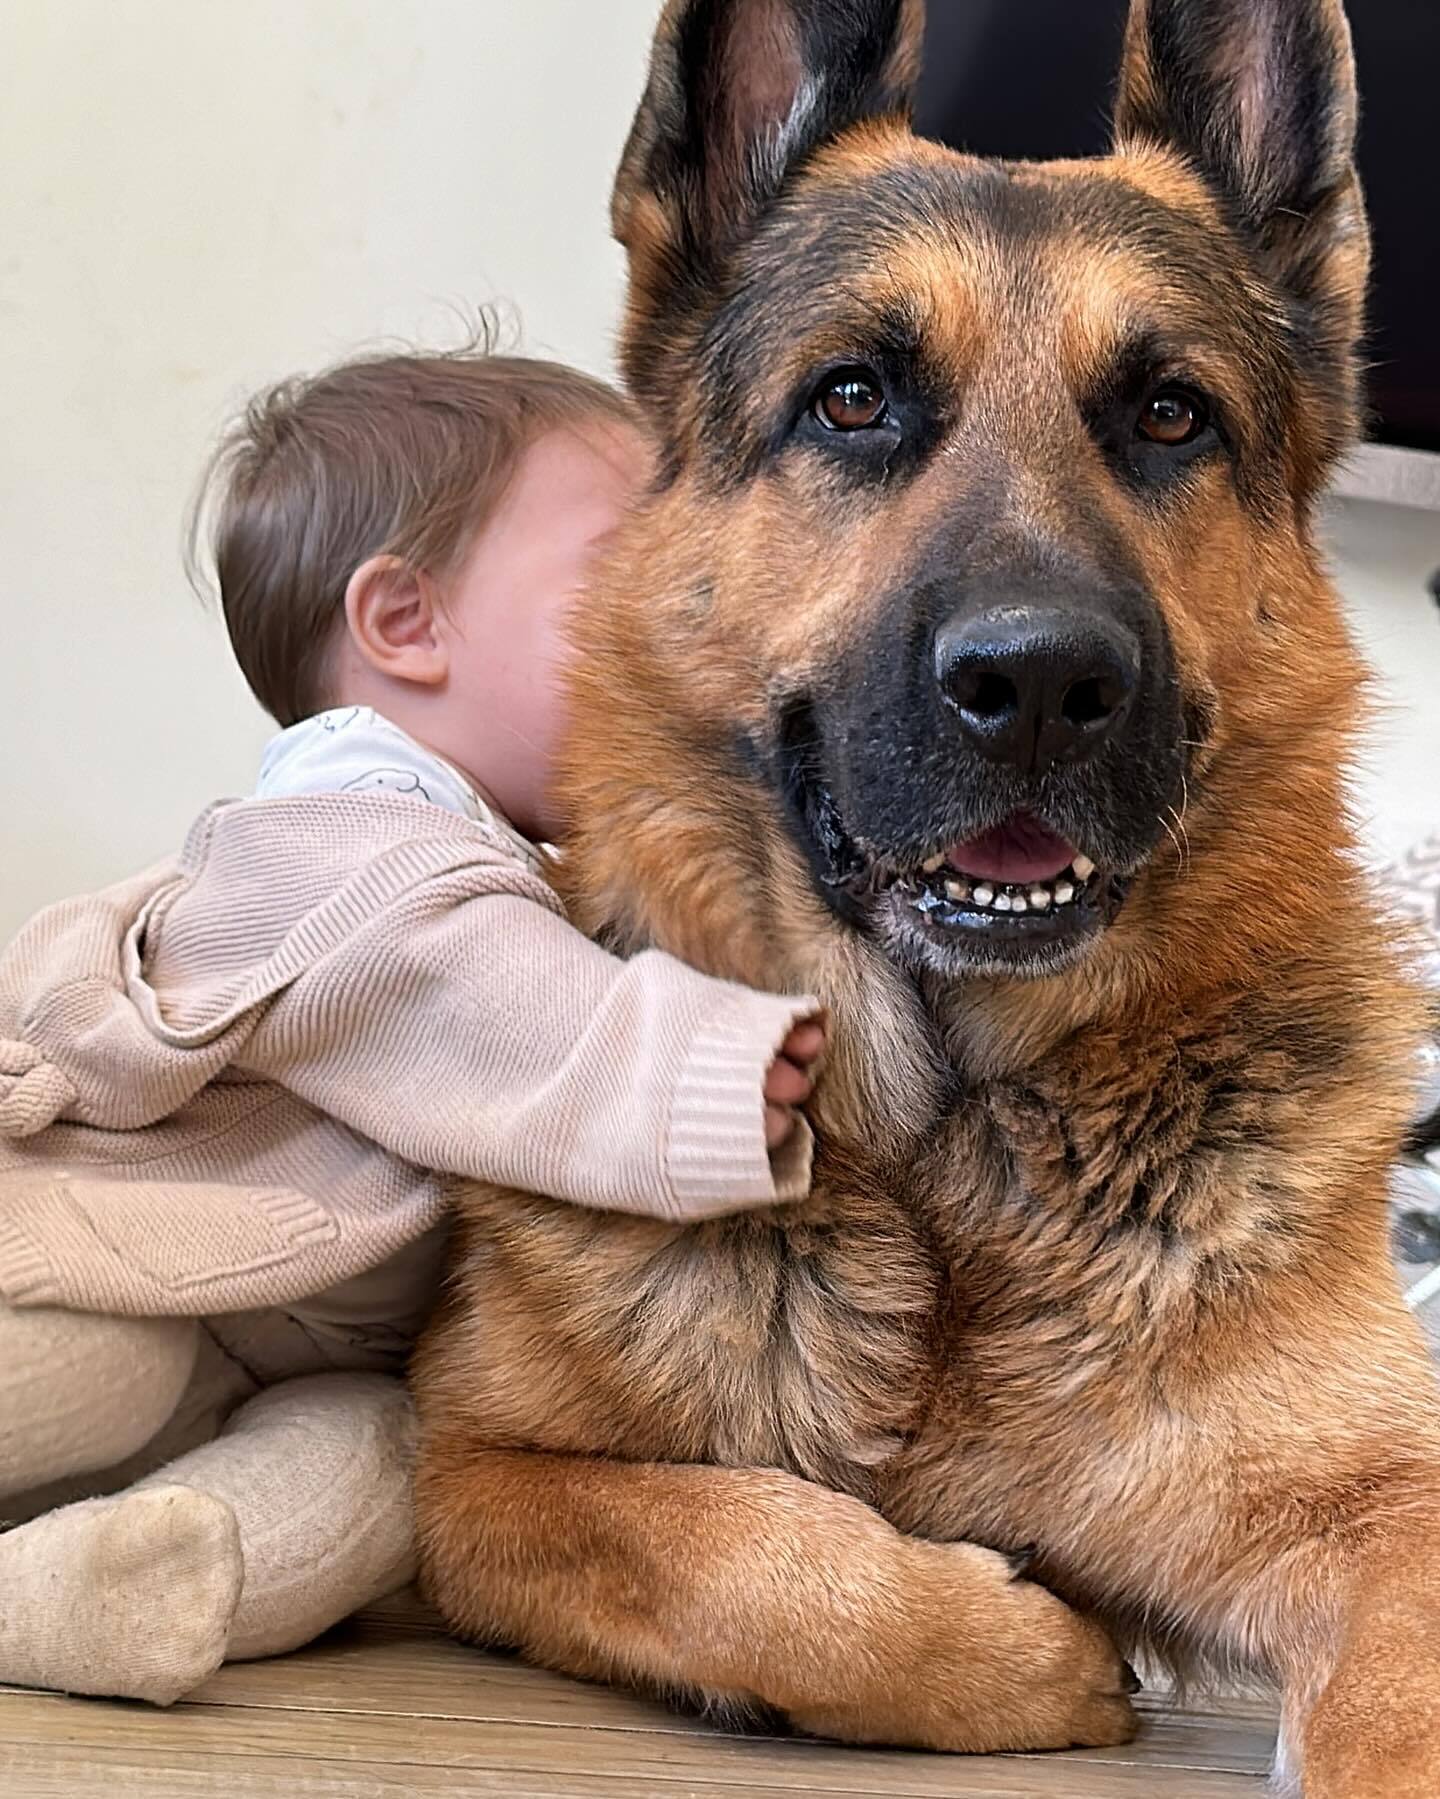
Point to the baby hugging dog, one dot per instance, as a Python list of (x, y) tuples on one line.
[(238, 1091), (977, 559)]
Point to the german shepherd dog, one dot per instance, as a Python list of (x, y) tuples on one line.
[(972, 667)]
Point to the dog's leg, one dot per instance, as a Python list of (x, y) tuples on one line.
[(1333, 1542), (744, 1585), (1368, 1726)]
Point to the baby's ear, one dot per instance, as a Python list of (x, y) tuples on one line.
[(391, 618)]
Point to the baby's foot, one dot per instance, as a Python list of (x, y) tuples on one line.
[(130, 1597)]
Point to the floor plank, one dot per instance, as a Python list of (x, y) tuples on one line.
[(389, 1706), (368, 1670), (67, 1773)]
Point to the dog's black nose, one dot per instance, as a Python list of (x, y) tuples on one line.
[(1034, 685)]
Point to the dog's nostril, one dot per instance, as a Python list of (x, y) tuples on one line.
[(988, 696), (1034, 686), (1087, 702)]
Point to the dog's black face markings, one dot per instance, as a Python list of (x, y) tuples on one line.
[(798, 276), (874, 775), (1234, 362), (800, 772), (877, 780)]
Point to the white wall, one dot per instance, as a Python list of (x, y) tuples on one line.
[(1384, 557), (199, 196)]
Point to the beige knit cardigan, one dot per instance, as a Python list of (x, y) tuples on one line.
[(256, 1072)]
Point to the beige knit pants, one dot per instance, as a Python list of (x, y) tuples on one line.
[(167, 1512)]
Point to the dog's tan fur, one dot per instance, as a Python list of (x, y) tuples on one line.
[(1095, 1267)]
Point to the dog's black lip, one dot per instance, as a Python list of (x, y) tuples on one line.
[(854, 881), (837, 865), (961, 926)]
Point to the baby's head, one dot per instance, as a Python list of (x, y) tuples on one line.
[(407, 533)]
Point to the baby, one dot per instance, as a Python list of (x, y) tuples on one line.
[(236, 1090)]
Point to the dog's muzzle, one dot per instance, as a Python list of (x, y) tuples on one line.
[(983, 798)]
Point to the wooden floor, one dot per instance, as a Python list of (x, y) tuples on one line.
[(387, 1707)]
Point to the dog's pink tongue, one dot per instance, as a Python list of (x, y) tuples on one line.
[(1021, 849)]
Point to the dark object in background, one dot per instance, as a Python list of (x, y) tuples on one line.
[(1033, 78), (1425, 1138), (1415, 1237)]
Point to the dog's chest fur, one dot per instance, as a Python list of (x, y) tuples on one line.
[(1033, 1261), (804, 1340)]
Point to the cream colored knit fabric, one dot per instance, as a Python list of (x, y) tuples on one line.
[(160, 1511), (254, 1074)]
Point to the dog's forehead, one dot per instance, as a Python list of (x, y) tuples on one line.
[(1075, 255)]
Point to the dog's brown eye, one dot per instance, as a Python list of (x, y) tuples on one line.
[(1173, 417), (853, 400)]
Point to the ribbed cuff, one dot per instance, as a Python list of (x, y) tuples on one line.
[(716, 1158), (27, 1275)]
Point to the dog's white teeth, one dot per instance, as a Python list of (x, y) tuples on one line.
[(934, 865), (994, 896)]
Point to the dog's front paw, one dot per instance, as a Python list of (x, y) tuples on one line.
[(991, 1663), (1070, 1688)]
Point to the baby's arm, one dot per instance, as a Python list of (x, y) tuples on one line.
[(486, 1037)]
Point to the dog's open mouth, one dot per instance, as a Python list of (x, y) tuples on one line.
[(1017, 898), (1019, 886), (1019, 867)]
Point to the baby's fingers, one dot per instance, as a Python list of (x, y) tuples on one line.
[(787, 1085), (805, 1043), (779, 1123)]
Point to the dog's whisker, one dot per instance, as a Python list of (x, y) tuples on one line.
[(1180, 849)]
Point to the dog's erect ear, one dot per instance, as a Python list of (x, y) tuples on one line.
[(1260, 96), (740, 92)]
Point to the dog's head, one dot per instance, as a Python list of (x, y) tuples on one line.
[(983, 527)]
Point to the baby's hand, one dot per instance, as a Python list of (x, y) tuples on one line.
[(788, 1083)]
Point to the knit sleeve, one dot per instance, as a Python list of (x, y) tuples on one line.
[(484, 1037)]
